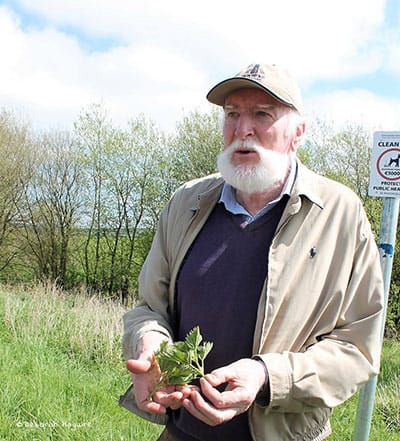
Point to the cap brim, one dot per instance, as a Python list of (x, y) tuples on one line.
[(218, 93)]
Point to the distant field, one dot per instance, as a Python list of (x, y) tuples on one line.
[(62, 373)]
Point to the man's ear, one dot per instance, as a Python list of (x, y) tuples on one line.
[(300, 132)]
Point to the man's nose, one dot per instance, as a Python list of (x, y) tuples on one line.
[(244, 127)]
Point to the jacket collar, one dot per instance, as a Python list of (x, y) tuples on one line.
[(306, 185), (210, 194)]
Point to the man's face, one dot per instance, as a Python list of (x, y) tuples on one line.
[(253, 115), (259, 136)]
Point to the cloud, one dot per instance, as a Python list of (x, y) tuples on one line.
[(315, 38), (51, 76), (160, 58), (392, 61), (356, 106)]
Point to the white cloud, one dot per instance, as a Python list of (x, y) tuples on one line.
[(169, 53), (356, 106), (392, 61), (313, 37), (49, 75)]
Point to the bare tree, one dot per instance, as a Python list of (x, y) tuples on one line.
[(49, 205), (93, 132), (15, 151), (142, 191), (123, 169)]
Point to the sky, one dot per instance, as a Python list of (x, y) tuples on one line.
[(160, 57)]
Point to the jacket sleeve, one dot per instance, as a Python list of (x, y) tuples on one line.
[(330, 370), (152, 311)]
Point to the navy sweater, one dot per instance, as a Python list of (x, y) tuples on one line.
[(218, 289)]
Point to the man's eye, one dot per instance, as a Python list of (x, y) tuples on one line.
[(231, 114), (263, 114)]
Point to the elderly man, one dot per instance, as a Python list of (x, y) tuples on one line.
[(279, 268)]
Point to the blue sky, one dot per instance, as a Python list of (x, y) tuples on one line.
[(160, 57)]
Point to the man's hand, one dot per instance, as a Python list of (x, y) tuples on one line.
[(146, 374), (244, 377)]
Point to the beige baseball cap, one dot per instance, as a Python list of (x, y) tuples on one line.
[(272, 79)]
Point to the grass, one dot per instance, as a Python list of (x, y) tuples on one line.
[(62, 372), (385, 425)]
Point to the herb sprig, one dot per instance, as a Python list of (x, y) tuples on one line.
[(181, 362)]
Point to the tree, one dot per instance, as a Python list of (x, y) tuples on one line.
[(125, 189), (92, 131), (196, 145), (48, 207), (137, 185), (15, 151), (344, 155)]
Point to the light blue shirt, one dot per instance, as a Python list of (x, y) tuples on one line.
[(228, 197)]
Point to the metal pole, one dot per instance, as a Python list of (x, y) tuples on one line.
[(387, 239)]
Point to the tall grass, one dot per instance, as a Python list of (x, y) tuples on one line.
[(387, 401), (61, 373), (79, 324), (61, 369)]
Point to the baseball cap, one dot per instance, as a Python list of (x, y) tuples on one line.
[(271, 78)]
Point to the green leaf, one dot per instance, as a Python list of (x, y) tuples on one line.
[(183, 361), (194, 338), (204, 350)]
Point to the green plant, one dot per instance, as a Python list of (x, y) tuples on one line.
[(182, 361)]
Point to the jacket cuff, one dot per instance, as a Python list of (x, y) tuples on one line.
[(264, 395), (280, 381)]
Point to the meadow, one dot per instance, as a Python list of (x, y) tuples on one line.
[(62, 372)]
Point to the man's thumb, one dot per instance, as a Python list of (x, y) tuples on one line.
[(138, 366), (217, 377)]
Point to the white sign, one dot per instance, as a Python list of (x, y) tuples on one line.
[(384, 179)]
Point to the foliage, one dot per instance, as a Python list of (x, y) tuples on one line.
[(124, 174), (195, 146), (48, 208), (15, 170), (343, 155), (183, 361), (81, 208)]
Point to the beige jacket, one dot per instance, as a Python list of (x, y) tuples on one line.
[(319, 316)]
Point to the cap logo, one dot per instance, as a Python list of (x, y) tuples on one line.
[(254, 71)]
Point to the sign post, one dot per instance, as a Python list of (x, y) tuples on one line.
[(384, 182)]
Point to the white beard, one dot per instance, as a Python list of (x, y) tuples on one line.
[(269, 172)]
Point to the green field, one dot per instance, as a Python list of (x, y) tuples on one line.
[(62, 372)]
